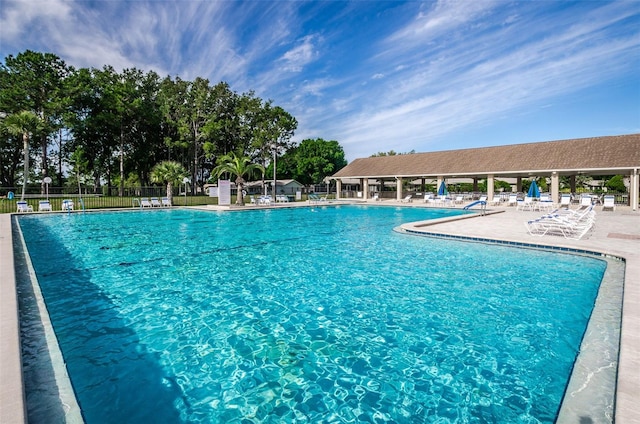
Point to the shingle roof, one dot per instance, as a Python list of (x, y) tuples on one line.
[(566, 156)]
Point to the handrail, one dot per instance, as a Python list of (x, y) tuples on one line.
[(482, 203)]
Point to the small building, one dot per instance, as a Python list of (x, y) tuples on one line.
[(286, 187)]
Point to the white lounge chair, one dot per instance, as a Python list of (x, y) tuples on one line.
[(567, 223), (264, 200), (526, 204), (496, 201), (585, 201), (23, 206), (609, 203), (67, 205), (407, 199), (376, 197), (44, 206), (513, 200), (565, 201), (166, 202), (155, 203), (145, 203)]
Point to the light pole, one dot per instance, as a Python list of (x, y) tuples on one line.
[(47, 181), (275, 154), (185, 181)]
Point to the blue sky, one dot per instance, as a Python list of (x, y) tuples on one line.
[(373, 75)]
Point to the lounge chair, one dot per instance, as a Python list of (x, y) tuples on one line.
[(458, 200), (443, 200), (513, 200), (565, 201), (67, 205), (44, 205), (155, 203), (526, 204), (166, 202), (264, 200), (567, 223), (609, 203), (23, 206), (496, 201), (376, 197), (145, 203), (407, 199), (586, 201), (428, 198)]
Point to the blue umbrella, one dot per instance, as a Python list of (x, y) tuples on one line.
[(442, 190), (534, 191)]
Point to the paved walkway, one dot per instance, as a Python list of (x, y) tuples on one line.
[(616, 233)]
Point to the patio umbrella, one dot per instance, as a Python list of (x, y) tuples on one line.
[(534, 191), (442, 190)]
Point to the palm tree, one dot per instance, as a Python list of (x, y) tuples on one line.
[(168, 172), (23, 124), (240, 166)]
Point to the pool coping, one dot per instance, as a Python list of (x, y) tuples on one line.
[(627, 407)]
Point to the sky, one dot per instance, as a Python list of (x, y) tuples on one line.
[(374, 75)]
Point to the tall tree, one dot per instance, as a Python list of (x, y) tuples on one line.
[(25, 124), (314, 159), (272, 136), (35, 82), (241, 167)]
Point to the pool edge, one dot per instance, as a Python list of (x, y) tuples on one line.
[(12, 396)]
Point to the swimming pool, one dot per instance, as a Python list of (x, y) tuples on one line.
[(306, 315)]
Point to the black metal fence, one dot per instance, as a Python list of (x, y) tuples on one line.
[(9, 196)]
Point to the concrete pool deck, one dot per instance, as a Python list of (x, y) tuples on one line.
[(616, 233)]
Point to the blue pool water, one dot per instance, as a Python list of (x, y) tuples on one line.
[(306, 315)]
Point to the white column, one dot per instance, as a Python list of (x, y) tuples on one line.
[(398, 188), (490, 187), (365, 188), (634, 188), (338, 188), (555, 187)]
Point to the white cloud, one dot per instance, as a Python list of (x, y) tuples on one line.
[(17, 18), (298, 57)]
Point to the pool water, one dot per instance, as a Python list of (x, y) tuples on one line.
[(306, 315)]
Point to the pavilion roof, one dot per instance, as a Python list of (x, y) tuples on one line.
[(607, 155)]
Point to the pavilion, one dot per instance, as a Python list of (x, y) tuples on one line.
[(595, 156)]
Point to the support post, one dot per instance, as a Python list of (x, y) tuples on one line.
[(490, 187), (398, 188), (555, 187), (634, 188), (365, 188)]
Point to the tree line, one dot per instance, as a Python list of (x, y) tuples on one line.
[(111, 128)]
